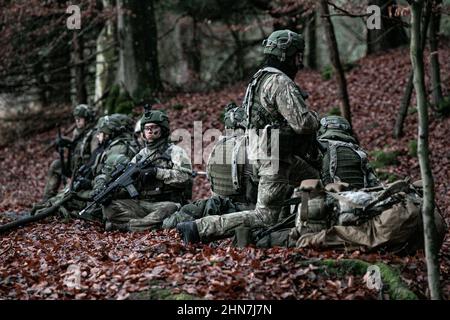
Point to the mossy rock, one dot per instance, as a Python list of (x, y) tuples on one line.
[(155, 293), (390, 277)]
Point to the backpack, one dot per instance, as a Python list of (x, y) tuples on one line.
[(229, 171), (343, 159)]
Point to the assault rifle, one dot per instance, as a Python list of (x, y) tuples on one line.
[(36, 217), (122, 177)]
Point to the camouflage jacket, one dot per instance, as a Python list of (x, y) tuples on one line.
[(122, 144), (83, 144), (273, 99)]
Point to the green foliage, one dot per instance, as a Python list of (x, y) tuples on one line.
[(412, 148), (334, 111), (387, 176), (327, 72), (412, 110), (178, 106), (444, 107), (384, 158)]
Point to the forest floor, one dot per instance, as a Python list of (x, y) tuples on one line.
[(39, 260)]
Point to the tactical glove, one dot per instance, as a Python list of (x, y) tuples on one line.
[(147, 175)]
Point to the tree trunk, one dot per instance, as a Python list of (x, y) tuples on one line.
[(391, 35), (80, 76), (138, 52), (336, 61), (434, 56), (311, 56), (403, 111), (239, 54), (105, 68), (430, 232)]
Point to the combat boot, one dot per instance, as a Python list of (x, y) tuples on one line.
[(188, 232)]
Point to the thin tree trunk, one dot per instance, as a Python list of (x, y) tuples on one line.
[(434, 57), (430, 232), (311, 57), (80, 83), (403, 110), (105, 68), (138, 55), (336, 61)]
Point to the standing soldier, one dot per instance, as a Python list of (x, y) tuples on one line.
[(162, 186), (272, 101), (80, 148)]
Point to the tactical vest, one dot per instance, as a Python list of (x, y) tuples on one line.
[(157, 190), (344, 162), (229, 172), (81, 150), (260, 118), (257, 116), (131, 150)]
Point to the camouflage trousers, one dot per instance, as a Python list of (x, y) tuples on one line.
[(139, 215), (273, 190), (72, 207)]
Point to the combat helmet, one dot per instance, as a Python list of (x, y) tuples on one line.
[(84, 111), (335, 128), (156, 116), (115, 124), (283, 43)]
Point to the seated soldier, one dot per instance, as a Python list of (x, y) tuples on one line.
[(163, 186), (114, 137), (81, 147)]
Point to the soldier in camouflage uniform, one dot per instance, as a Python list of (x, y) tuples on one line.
[(163, 186), (274, 104), (80, 146), (115, 137)]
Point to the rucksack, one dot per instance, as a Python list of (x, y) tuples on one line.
[(343, 159), (229, 171)]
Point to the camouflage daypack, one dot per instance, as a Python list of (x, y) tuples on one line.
[(343, 159), (229, 171)]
